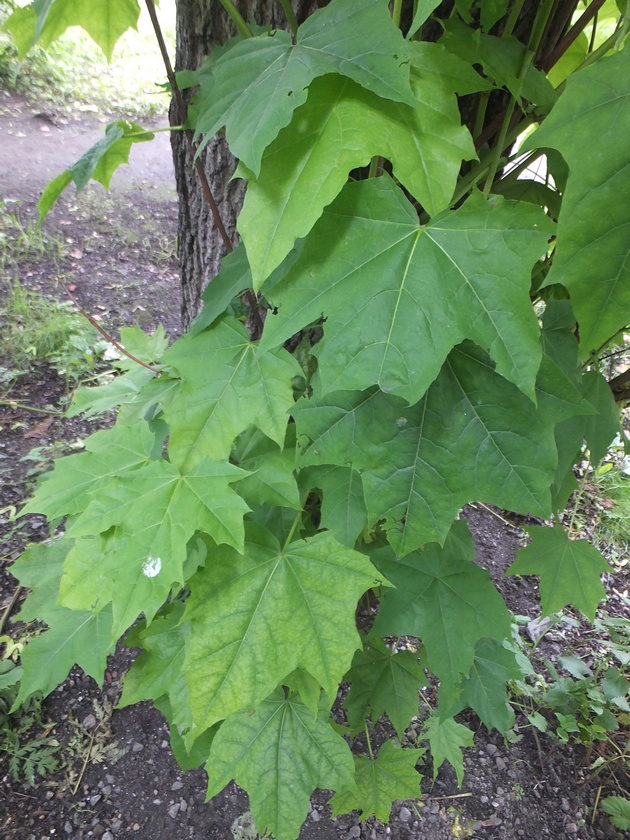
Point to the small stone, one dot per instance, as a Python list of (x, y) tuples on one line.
[(571, 828), (565, 805), (137, 747), (434, 808), (354, 832), (500, 762), (135, 827), (177, 785), (116, 824), (404, 815), (173, 811), (315, 815), (68, 827), (110, 779), (96, 798), (157, 801), (183, 804), (164, 745), (484, 800), (491, 749), (107, 836), (89, 722), (107, 789)]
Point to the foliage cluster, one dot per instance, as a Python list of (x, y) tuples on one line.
[(423, 329)]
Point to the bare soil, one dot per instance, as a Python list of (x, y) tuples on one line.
[(118, 256)]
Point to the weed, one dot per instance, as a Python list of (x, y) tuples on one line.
[(37, 328)]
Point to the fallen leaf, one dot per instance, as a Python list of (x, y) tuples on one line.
[(39, 429)]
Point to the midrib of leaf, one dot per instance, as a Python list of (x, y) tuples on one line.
[(310, 612), (400, 291)]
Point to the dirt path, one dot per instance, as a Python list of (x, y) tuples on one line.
[(120, 779)]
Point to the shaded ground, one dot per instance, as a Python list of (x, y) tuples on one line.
[(120, 779)]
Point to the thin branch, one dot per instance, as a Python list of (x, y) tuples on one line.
[(105, 334), (579, 26)]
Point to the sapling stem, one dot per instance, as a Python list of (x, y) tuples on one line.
[(290, 15), (369, 743)]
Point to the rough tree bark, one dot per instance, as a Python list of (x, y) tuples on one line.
[(201, 24)]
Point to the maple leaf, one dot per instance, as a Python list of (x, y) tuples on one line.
[(446, 740), (591, 253), (380, 782), (253, 86), (258, 616), (343, 509), (473, 437), (279, 753), (377, 277), (212, 404), (271, 479), (446, 600), (570, 570), (383, 681), (157, 510)]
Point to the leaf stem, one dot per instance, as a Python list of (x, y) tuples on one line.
[(290, 15), (237, 18), (513, 18), (296, 522), (396, 12), (369, 743), (18, 404)]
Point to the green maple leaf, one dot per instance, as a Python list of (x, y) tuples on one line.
[(484, 689), (100, 162), (378, 277), (252, 86), (446, 740), (75, 478), (43, 21), (473, 437), (380, 782), (279, 754), (157, 510), (339, 128), (73, 637), (211, 404), (601, 428), (383, 681), (570, 570), (591, 254), (271, 479), (257, 617), (446, 600), (343, 509), (157, 671), (233, 279)]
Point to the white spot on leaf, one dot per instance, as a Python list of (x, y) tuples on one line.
[(151, 566)]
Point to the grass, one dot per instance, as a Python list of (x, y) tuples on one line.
[(34, 327), (74, 76)]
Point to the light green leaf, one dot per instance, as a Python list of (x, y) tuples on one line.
[(272, 471), (100, 162), (158, 669), (600, 429), (339, 128), (44, 22), (618, 809), (383, 681), (69, 488), (279, 754), (233, 279), (40, 569), (257, 617), (503, 60), (380, 782), (343, 506), (570, 570), (121, 390), (252, 86), (473, 437), (591, 254), (157, 510), (212, 404), (492, 11), (378, 277), (485, 687), (446, 741), (446, 600), (422, 14)]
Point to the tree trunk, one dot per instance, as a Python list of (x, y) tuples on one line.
[(201, 24)]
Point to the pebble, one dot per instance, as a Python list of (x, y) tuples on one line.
[(500, 762), (354, 832), (173, 811), (110, 779), (404, 815), (177, 785), (68, 827), (96, 798), (491, 749), (571, 828), (107, 836), (116, 824), (315, 815), (183, 804), (565, 805), (106, 790), (89, 722), (484, 800), (137, 747)]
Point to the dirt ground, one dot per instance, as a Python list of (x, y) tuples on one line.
[(118, 256)]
